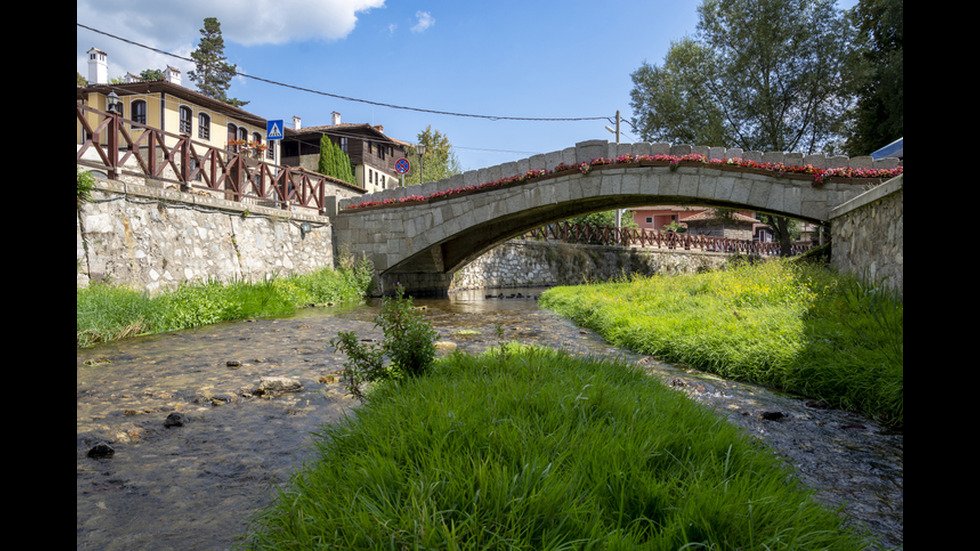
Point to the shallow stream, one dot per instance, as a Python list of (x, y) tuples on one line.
[(196, 484)]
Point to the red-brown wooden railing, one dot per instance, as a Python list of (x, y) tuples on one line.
[(125, 146), (642, 237)]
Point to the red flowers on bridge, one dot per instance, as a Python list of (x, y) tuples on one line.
[(820, 175)]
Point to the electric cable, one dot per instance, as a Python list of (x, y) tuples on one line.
[(352, 99)]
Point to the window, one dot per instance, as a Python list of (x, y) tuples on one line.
[(204, 126), (257, 141), (185, 120), (138, 111), (343, 144), (270, 152), (232, 136)]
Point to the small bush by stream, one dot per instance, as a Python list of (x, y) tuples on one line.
[(106, 312), (789, 325)]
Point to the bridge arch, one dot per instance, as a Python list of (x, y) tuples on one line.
[(420, 235)]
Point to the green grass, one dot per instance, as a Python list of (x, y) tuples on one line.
[(106, 313), (533, 449), (793, 326)]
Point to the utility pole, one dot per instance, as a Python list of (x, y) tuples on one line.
[(619, 212)]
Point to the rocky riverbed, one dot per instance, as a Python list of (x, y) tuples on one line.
[(182, 437)]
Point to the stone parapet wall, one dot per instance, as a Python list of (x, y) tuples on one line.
[(867, 235), (587, 151), (527, 263), (150, 238)]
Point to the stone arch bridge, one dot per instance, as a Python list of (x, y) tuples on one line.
[(421, 234)]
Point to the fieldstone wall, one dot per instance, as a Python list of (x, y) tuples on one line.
[(150, 238), (526, 263), (867, 235)]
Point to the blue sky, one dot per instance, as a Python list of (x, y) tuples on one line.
[(520, 59)]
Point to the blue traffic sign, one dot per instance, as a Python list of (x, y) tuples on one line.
[(273, 130), (402, 166)]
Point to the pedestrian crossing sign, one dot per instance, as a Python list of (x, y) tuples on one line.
[(273, 130)]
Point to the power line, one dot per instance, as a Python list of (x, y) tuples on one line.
[(358, 100)]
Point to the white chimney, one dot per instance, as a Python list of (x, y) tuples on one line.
[(297, 122), (172, 75), (98, 67), (336, 118)]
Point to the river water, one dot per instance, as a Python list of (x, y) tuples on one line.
[(194, 485)]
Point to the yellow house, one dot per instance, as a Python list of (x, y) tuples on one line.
[(177, 111)]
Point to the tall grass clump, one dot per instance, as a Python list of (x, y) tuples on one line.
[(793, 326), (534, 449), (105, 313)]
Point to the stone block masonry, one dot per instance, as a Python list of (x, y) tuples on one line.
[(868, 237), (150, 238), (528, 263)]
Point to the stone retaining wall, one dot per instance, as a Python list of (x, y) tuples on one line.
[(526, 263), (151, 238), (867, 235)]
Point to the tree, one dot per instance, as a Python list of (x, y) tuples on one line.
[(151, 74), (605, 218), (878, 115), (334, 162), (761, 75), (438, 162), (214, 73), (674, 99)]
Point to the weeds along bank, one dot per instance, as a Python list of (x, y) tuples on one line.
[(789, 325), (105, 312)]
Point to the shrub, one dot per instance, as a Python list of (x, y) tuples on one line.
[(409, 345)]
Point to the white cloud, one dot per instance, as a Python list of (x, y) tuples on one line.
[(424, 20), (253, 23), (174, 26)]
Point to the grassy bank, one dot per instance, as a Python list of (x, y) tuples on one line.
[(788, 325), (533, 449), (106, 313)]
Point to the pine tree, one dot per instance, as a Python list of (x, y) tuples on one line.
[(334, 162), (214, 73)]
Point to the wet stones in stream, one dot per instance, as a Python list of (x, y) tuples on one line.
[(253, 393)]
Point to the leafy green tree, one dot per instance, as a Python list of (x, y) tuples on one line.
[(674, 98), (438, 162), (334, 162), (151, 74), (606, 218), (764, 75), (214, 73), (878, 115)]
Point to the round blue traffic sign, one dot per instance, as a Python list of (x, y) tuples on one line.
[(402, 166)]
